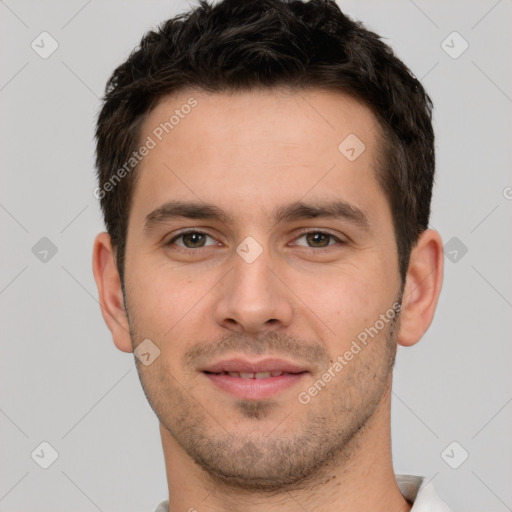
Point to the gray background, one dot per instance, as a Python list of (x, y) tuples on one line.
[(61, 378)]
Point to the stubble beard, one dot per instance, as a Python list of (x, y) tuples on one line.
[(293, 454)]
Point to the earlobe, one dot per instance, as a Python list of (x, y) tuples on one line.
[(110, 292), (422, 287)]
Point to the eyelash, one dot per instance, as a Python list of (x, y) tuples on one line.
[(316, 249)]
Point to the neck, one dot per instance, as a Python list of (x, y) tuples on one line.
[(360, 478)]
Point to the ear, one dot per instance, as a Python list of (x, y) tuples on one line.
[(422, 287), (110, 292)]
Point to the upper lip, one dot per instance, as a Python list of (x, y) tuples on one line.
[(244, 365)]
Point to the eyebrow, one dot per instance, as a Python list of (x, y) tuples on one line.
[(298, 210)]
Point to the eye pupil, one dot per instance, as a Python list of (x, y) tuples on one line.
[(194, 237), (318, 238)]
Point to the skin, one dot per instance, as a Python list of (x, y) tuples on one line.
[(305, 298)]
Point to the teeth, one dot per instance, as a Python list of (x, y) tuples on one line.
[(262, 375), (250, 375)]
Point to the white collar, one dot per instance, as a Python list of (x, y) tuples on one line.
[(420, 492)]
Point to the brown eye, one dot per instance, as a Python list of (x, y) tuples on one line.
[(194, 239), (191, 240), (318, 239)]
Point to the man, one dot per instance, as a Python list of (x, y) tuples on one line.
[(265, 173)]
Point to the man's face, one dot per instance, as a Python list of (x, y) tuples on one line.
[(268, 285)]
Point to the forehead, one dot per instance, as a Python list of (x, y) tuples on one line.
[(264, 145), (310, 116)]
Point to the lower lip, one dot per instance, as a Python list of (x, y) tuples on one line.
[(255, 388)]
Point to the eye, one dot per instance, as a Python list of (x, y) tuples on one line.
[(191, 239), (319, 239), (194, 239)]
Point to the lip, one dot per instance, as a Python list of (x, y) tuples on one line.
[(244, 365), (254, 389)]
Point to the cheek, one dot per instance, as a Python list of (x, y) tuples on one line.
[(353, 301), (159, 299)]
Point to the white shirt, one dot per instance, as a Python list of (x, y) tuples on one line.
[(415, 489)]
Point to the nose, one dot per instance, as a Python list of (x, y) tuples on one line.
[(253, 298)]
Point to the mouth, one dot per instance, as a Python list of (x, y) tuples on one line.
[(252, 375), (254, 380)]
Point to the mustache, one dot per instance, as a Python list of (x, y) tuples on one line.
[(265, 343)]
